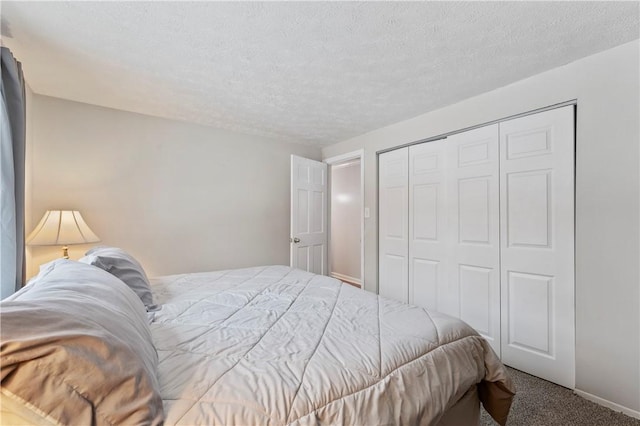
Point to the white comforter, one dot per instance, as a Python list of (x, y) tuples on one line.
[(274, 345)]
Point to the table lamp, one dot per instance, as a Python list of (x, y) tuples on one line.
[(61, 228)]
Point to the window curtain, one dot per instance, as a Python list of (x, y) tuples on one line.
[(12, 163)]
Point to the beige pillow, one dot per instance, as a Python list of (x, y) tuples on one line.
[(76, 349)]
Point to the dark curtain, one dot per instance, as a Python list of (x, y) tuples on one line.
[(13, 96)]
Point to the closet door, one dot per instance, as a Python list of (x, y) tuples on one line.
[(474, 230), (537, 244), (393, 230), (427, 225)]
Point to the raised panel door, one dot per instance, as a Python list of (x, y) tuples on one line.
[(393, 228), (428, 226), (537, 244), (308, 215), (473, 234)]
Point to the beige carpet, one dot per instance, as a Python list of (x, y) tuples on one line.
[(541, 403)]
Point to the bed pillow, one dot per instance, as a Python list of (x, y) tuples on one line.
[(76, 349), (124, 266)]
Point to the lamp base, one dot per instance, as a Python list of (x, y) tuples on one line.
[(65, 252)]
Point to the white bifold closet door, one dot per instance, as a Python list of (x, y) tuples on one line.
[(474, 230), (537, 249), (393, 224), (428, 226), (480, 226), (454, 239)]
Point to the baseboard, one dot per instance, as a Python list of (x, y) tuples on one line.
[(343, 277), (605, 403)]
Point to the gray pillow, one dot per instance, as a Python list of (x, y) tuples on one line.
[(124, 266)]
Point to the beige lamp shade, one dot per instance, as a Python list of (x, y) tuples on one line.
[(61, 228)]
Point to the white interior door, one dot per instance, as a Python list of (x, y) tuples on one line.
[(473, 236), (393, 189), (308, 215), (537, 244), (428, 225)]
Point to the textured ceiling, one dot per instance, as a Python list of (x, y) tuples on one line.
[(311, 72)]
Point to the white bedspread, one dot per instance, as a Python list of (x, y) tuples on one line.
[(272, 345)]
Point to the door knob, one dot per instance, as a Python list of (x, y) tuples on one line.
[(295, 240)]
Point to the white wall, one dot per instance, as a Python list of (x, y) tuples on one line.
[(344, 244), (606, 86), (180, 197)]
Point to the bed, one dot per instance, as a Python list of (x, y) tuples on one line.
[(264, 345)]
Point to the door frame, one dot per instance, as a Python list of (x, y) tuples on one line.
[(343, 158)]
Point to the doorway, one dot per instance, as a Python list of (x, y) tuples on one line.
[(346, 218)]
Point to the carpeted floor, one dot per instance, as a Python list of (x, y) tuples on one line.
[(541, 403)]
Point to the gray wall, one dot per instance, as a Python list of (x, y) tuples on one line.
[(180, 197), (606, 86)]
